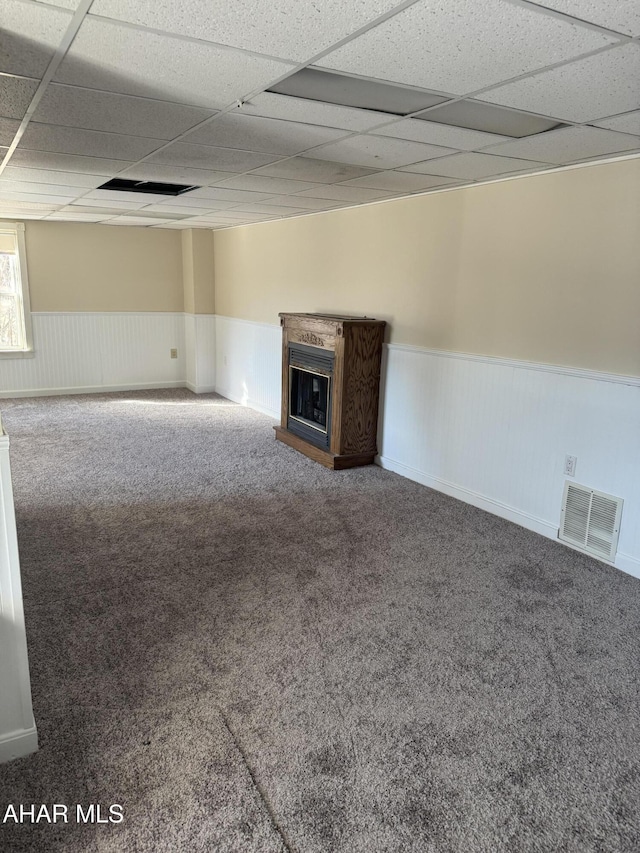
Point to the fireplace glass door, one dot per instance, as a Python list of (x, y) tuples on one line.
[(309, 398)]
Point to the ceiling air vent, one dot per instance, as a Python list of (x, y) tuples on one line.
[(126, 185), (590, 520)]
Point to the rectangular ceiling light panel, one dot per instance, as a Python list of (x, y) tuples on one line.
[(477, 115), (328, 87)]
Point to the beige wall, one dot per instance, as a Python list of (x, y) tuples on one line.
[(79, 267), (197, 271), (544, 268)]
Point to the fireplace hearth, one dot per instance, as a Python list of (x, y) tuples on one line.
[(330, 387)]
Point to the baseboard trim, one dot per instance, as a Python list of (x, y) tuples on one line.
[(18, 744), (200, 389), (624, 562), (524, 519), (249, 403), (92, 389)]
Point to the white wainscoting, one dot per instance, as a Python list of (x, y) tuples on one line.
[(249, 364), (85, 352), (18, 735), (491, 432), (200, 348)]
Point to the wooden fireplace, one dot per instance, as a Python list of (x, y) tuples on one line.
[(330, 387)]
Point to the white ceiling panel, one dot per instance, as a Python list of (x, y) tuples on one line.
[(30, 36), (209, 157), (274, 209), (66, 162), (78, 217), (117, 58), (623, 16), (117, 197), (63, 4), (469, 45), (470, 166), (93, 110), (7, 205), (294, 29), (439, 134), (309, 169), (626, 123), (136, 220), (174, 207), (261, 183), (8, 128), (340, 192), (378, 152), (254, 133), (569, 145), (15, 96), (584, 90), (173, 174), (303, 203), (188, 201), (90, 143), (80, 207), (112, 204), (43, 176), (312, 112), (37, 198), (399, 182), (223, 194), (7, 186)]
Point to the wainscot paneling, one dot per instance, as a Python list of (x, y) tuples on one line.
[(84, 352), (249, 364), (491, 432)]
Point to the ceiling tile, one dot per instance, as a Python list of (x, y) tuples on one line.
[(623, 16), (7, 186), (43, 176), (38, 198), (237, 215), (15, 96), (224, 194), (187, 200), (8, 128), (117, 58), (64, 4), (107, 201), (471, 166), (261, 183), (309, 169), (92, 110), (254, 133), (434, 133), (569, 145), (295, 29), (31, 34), (135, 220), (583, 90), (173, 174), (340, 192), (312, 112), (78, 217), (399, 182), (495, 41), (9, 204), (275, 209), (66, 162), (303, 203), (130, 199), (92, 143), (626, 123), (95, 208), (171, 208), (209, 157), (378, 152)]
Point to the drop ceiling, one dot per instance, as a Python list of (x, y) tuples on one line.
[(281, 108)]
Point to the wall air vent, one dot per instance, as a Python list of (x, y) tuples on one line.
[(125, 185), (590, 521)]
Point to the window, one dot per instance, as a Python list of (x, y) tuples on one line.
[(15, 316)]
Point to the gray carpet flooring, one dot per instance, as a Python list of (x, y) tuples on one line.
[(251, 653)]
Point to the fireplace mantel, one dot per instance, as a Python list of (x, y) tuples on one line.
[(330, 387)]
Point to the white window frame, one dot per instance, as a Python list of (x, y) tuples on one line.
[(17, 229)]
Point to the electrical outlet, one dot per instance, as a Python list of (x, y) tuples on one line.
[(174, 353), (570, 463)]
